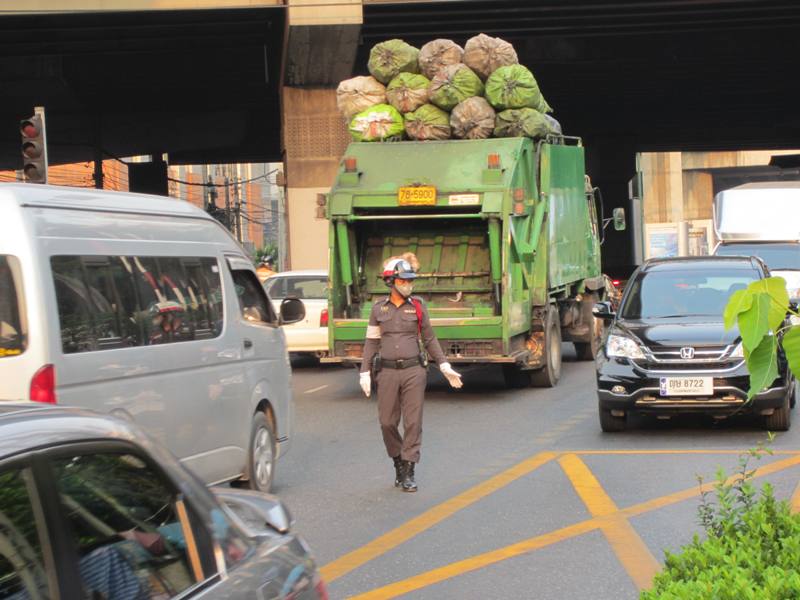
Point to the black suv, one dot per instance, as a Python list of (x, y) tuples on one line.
[(667, 351)]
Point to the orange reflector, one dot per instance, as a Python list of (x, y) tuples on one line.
[(519, 195), (519, 208), (350, 164), (494, 161)]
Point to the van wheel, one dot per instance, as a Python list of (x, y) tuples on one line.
[(549, 375), (263, 446), (781, 419), (516, 378), (609, 423)]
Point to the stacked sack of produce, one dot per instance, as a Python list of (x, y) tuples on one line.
[(443, 91)]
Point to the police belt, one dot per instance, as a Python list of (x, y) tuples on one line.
[(400, 363)]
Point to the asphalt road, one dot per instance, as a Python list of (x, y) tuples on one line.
[(520, 493)]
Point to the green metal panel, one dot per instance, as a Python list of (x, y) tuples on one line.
[(568, 217)]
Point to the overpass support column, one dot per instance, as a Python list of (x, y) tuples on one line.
[(321, 44)]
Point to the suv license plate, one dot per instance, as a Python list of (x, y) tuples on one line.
[(687, 386)]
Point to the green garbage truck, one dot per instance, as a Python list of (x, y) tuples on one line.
[(507, 238)]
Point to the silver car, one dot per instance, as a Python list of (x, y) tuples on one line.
[(90, 507)]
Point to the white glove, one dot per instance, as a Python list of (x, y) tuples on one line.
[(365, 381), (452, 377)]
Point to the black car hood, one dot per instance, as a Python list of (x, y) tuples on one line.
[(678, 332)]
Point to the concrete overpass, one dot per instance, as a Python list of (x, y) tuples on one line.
[(253, 80)]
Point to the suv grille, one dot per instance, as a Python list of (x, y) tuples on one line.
[(706, 358)]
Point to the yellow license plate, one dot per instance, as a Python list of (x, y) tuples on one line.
[(422, 195)]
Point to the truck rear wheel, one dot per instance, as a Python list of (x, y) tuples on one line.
[(549, 375)]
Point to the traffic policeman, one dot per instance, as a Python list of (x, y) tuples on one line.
[(398, 333)]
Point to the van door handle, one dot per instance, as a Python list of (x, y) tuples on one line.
[(248, 344)]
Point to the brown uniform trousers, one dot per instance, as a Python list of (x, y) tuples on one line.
[(394, 332)]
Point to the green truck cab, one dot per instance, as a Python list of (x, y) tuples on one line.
[(507, 238)]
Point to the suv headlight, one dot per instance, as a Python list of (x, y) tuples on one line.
[(738, 352), (619, 346)]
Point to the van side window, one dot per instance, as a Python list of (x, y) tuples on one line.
[(13, 325), (107, 302), (252, 299)]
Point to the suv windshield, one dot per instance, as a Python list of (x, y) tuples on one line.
[(663, 293), (304, 288), (777, 256), (12, 314)]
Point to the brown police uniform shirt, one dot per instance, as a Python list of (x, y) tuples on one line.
[(398, 333)]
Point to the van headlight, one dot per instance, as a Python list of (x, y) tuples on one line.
[(619, 346), (738, 352)]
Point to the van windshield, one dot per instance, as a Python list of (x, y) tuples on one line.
[(778, 257), (12, 314)]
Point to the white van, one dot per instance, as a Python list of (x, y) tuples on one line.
[(145, 308)]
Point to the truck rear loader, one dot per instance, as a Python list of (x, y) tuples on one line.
[(506, 233)]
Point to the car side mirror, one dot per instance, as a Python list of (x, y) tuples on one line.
[(260, 513), (618, 214), (292, 310), (602, 310)]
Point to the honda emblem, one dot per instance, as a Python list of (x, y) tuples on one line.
[(687, 353)]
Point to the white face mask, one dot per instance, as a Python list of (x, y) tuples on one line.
[(404, 289)]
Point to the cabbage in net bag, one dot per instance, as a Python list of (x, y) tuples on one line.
[(515, 87), (381, 123), (408, 91), (437, 54), (522, 122), (473, 119), (454, 84), (428, 122), (484, 54), (359, 93), (390, 58)]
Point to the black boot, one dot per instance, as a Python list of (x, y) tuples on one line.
[(398, 471), (409, 485)]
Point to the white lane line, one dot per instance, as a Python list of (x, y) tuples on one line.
[(316, 389)]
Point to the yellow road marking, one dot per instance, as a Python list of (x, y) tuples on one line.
[(631, 551), (650, 452), (535, 543), (794, 503), (344, 564)]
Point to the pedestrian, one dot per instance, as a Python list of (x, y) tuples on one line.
[(398, 335)]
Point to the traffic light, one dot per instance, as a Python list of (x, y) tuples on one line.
[(34, 149)]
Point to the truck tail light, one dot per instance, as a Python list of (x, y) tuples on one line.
[(493, 161), (615, 282), (43, 385), (350, 164), (323, 318)]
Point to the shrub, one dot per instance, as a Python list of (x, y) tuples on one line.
[(751, 550)]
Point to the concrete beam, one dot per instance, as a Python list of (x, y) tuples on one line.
[(78, 6)]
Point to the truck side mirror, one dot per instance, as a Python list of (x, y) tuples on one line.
[(292, 310), (618, 214), (602, 310)]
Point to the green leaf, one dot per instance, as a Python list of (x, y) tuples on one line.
[(775, 287), (791, 346), (762, 364), (739, 302), (754, 322)]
